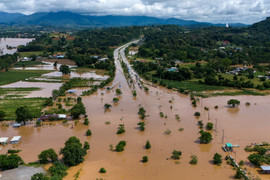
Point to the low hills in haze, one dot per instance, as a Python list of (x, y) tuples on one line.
[(74, 19)]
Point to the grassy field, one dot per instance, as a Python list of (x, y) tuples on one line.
[(27, 54), (17, 75), (27, 63), (9, 106), (4, 91), (255, 80)]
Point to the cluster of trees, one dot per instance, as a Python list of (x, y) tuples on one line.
[(73, 154), (7, 60)]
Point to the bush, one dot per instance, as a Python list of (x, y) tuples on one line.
[(86, 146), (48, 102), (58, 170), (48, 155), (200, 123), (77, 110), (121, 129), (197, 114), (167, 132), (86, 121), (107, 106), (2, 115), (40, 176), (144, 159), (233, 102), (247, 103), (209, 126), (102, 170), (115, 100), (13, 151), (194, 159), (141, 126), (10, 161), (217, 159), (88, 132), (176, 154), (147, 145), (120, 146), (216, 107)]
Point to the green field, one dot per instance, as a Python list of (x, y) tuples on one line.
[(27, 54), (16, 92), (18, 75), (9, 106)]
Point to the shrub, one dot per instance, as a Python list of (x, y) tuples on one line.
[(39, 176), (141, 126), (161, 114), (144, 159), (88, 132), (217, 159), (216, 107), (10, 161), (176, 154), (121, 129), (115, 100), (102, 170), (107, 106), (167, 132), (147, 145), (247, 103), (86, 121), (120, 146), (197, 114), (58, 170), (118, 92), (194, 159), (86, 146), (233, 102), (200, 123), (209, 126)]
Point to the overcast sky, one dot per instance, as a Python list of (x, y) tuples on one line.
[(216, 11)]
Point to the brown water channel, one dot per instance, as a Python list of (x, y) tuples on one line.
[(241, 126)]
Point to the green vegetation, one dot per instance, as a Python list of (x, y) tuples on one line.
[(77, 110), (200, 123), (13, 151), (115, 100), (141, 126), (58, 170), (107, 106), (176, 154), (167, 132), (206, 137), (260, 156), (147, 145), (64, 69), (233, 102), (197, 114), (12, 76), (144, 159), (73, 152), (118, 92), (141, 113), (47, 156), (102, 170), (2, 115), (209, 126), (23, 114), (40, 176), (194, 160), (88, 132), (10, 161), (120, 146), (217, 159), (86, 121), (121, 129)]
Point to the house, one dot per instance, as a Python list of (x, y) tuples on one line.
[(62, 116), (15, 140), (26, 59), (172, 69), (48, 117), (3, 140), (102, 59), (266, 169), (71, 91)]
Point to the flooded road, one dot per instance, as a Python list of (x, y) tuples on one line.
[(242, 126)]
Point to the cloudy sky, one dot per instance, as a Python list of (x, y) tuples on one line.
[(216, 11)]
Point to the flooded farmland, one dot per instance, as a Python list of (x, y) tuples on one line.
[(243, 125), (13, 43)]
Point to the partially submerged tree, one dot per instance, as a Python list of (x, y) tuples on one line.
[(64, 69), (73, 152), (2, 115), (77, 110), (233, 102), (206, 137), (217, 159)]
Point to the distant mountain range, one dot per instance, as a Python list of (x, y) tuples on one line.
[(72, 19)]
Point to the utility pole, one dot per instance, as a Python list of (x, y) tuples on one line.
[(223, 137)]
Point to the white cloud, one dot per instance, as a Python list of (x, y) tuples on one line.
[(245, 11)]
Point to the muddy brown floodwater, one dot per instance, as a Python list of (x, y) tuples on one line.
[(245, 125)]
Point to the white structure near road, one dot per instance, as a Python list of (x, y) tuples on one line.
[(3, 140)]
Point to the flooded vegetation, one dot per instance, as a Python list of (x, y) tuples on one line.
[(237, 125), (9, 45)]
